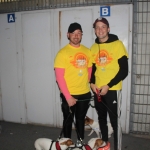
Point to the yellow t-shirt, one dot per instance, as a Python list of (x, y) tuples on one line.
[(106, 56), (75, 61)]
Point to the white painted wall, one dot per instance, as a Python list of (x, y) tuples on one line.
[(28, 47), (8, 69)]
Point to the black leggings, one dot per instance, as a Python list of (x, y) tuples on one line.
[(79, 110), (108, 104)]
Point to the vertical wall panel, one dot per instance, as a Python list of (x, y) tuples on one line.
[(37, 65), (8, 70)]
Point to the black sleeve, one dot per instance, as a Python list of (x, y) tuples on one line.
[(92, 80), (122, 73)]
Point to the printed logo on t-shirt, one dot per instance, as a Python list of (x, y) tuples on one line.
[(80, 60), (103, 58)]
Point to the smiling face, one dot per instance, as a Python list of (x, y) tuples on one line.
[(101, 31), (75, 38)]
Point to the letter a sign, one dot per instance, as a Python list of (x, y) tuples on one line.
[(11, 18), (105, 11)]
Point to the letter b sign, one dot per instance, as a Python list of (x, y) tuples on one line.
[(105, 11)]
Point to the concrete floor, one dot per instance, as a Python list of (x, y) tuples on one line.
[(16, 136)]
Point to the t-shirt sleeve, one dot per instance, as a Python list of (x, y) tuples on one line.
[(59, 61)]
